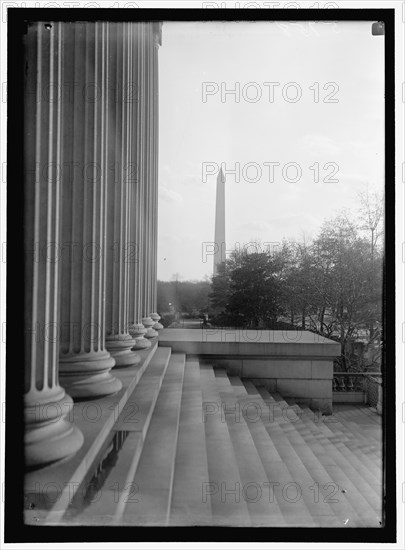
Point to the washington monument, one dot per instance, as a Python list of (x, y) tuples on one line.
[(220, 247)]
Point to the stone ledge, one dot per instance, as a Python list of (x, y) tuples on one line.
[(237, 343), (348, 397)]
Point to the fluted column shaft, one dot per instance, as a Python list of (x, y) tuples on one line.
[(148, 173), (85, 363), (155, 166), (137, 329), (145, 174), (142, 183), (48, 436), (120, 253), (155, 177)]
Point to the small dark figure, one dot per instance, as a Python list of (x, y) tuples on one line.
[(204, 321)]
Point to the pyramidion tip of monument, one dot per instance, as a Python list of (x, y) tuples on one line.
[(221, 176)]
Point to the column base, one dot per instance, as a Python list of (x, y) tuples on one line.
[(49, 436), (120, 347), (148, 324), (87, 375), (142, 343), (138, 331), (156, 317)]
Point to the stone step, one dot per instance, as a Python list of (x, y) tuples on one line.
[(361, 426), (344, 458), (191, 466), (329, 454), (277, 396), (283, 416), (139, 408), (147, 502), (290, 401), (355, 481), (338, 430), (360, 410), (322, 425), (208, 372), (265, 395), (365, 448), (104, 506), (374, 467), (274, 407), (223, 472), (220, 372), (359, 436), (250, 387), (279, 477), (286, 413), (312, 481), (365, 431), (237, 385), (342, 470), (222, 378), (254, 488)]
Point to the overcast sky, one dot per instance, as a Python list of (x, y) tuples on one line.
[(285, 123)]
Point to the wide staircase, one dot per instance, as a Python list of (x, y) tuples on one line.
[(194, 446)]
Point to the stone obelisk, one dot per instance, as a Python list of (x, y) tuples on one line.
[(219, 254)]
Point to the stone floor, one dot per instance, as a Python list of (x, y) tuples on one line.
[(212, 449)]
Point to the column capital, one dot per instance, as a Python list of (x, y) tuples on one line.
[(157, 32)]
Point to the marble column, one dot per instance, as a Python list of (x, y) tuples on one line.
[(85, 364), (136, 328), (49, 436), (155, 155), (120, 254), (149, 249)]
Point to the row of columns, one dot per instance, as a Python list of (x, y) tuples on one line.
[(90, 218)]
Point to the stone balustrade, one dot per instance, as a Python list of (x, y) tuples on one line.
[(358, 386)]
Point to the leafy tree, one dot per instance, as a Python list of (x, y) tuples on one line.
[(345, 268), (248, 289), (220, 288), (300, 295)]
